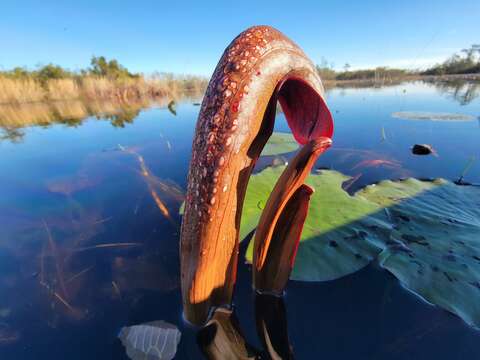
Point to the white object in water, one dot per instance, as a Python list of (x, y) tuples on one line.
[(156, 340)]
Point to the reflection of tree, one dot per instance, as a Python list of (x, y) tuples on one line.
[(127, 116), (13, 134), (464, 92), (71, 122), (13, 118)]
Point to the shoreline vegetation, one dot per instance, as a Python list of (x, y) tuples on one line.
[(15, 117), (395, 80), (103, 81), (108, 80), (463, 66), (107, 90)]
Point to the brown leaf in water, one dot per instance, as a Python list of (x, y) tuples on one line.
[(153, 182), (161, 206), (167, 188)]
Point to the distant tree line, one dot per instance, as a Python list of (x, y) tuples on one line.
[(99, 67), (327, 72), (467, 62), (110, 69)]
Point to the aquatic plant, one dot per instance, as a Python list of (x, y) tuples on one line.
[(424, 232), (260, 67), (104, 80)]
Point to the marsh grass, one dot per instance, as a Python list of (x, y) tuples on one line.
[(27, 101), (95, 88), (62, 89), (20, 90)]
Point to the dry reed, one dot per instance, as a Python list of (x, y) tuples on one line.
[(29, 90), (20, 90)]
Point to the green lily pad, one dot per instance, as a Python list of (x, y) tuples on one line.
[(335, 235), (434, 247), (280, 143), (431, 116), (426, 233)]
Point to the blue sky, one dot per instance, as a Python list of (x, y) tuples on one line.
[(189, 37)]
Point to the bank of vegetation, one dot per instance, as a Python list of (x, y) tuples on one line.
[(102, 80), (379, 75), (464, 65), (465, 62), (107, 80)]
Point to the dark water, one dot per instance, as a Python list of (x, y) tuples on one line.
[(65, 190)]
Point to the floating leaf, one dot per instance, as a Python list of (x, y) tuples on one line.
[(431, 116), (156, 340), (428, 234), (334, 241), (280, 143), (434, 246)]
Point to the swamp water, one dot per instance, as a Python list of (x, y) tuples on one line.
[(89, 230)]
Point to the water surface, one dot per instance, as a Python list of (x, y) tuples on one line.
[(68, 187)]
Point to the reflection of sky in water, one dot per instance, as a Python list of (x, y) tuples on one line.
[(89, 193), (360, 115)]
